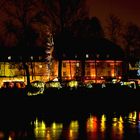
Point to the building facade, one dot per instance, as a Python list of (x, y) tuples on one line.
[(97, 63)]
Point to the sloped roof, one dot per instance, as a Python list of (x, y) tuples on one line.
[(70, 48), (19, 54)]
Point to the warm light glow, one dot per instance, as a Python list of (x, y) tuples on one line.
[(56, 129), (39, 128), (1, 135), (133, 116), (117, 128), (73, 130), (103, 123), (9, 57), (92, 124)]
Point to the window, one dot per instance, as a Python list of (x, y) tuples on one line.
[(87, 65), (64, 65), (64, 73), (11, 66), (88, 73)]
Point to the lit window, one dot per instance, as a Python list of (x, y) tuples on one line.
[(77, 64), (64, 64), (9, 57), (87, 56), (32, 57), (64, 73), (40, 66)]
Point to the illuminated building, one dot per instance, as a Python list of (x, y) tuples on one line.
[(92, 61)]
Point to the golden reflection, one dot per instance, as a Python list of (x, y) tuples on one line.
[(103, 123), (45, 132), (132, 117), (73, 130), (9, 138), (40, 129), (56, 129), (117, 128)]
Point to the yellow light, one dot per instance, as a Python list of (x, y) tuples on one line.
[(103, 120), (73, 130)]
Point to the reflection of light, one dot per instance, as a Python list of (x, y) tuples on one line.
[(114, 119), (40, 129), (56, 129), (120, 119), (139, 116), (139, 122), (9, 138), (44, 132), (132, 116), (117, 128), (73, 130), (91, 124), (103, 120)]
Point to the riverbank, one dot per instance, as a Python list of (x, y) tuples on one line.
[(72, 101)]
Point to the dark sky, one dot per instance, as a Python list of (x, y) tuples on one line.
[(126, 10)]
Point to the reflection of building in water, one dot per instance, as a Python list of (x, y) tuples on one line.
[(73, 130), (42, 131)]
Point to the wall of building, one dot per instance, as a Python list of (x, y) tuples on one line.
[(95, 70)]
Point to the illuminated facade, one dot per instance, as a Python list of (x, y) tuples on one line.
[(100, 62), (38, 71), (95, 70), (91, 60)]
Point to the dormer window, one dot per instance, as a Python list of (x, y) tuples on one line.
[(87, 55)]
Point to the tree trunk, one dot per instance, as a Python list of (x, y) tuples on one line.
[(26, 67), (60, 70), (83, 70)]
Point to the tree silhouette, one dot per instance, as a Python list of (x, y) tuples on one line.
[(131, 36), (25, 26), (62, 14), (87, 28), (114, 28)]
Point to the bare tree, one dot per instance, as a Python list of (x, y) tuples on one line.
[(131, 38), (24, 24), (87, 28), (62, 14), (114, 28)]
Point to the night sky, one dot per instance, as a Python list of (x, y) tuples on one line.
[(126, 10)]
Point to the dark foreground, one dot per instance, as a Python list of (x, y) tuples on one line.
[(111, 115), (72, 101)]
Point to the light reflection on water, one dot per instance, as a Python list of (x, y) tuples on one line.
[(95, 126)]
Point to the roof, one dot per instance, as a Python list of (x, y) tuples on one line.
[(19, 54), (95, 49)]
